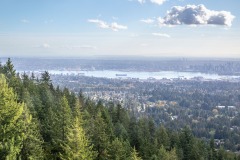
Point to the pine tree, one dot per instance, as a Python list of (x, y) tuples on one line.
[(212, 155), (165, 155), (163, 138), (77, 146), (32, 145), (46, 80), (59, 126), (49, 113), (1, 68), (12, 78), (8, 69), (134, 155), (173, 154), (100, 139), (118, 149), (186, 143), (11, 137), (64, 117)]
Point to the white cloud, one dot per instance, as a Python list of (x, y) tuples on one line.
[(113, 26), (161, 35), (100, 23), (141, 1), (25, 21), (196, 15), (159, 2), (148, 21)]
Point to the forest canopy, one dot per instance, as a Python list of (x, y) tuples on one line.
[(41, 121)]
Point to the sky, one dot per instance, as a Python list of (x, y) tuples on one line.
[(151, 28)]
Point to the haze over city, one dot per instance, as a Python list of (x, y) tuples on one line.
[(159, 28)]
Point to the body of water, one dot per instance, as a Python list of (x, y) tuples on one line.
[(145, 75)]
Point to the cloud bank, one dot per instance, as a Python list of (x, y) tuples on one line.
[(196, 15), (104, 25)]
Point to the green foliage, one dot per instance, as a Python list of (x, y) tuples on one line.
[(77, 145), (134, 155), (45, 78), (8, 69), (119, 149), (99, 137), (162, 138), (32, 144), (11, 137), (165, 155), (38, 121)]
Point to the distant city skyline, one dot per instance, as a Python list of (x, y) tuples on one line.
[(150, 28)]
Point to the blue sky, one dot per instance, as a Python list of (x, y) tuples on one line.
[(164, 28)]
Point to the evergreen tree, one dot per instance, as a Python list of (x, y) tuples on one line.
[(45, 78), (212, 155), (118, 150), (1, 68), (133, 133), (100, 139), (134, 155), (165, 155), (64, 118), (58, 128), (48, 110), (77, 146), (12, 78), (108, 121), (32, 145), (11, 136), (8, 69), (38, 122), (186, 142), (163, 138)]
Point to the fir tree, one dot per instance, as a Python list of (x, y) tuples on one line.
[(11, 137), (100, 139), (77, 146), (32, 143), (162, 137), (134, 155), (32, 147), (118, 150)]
